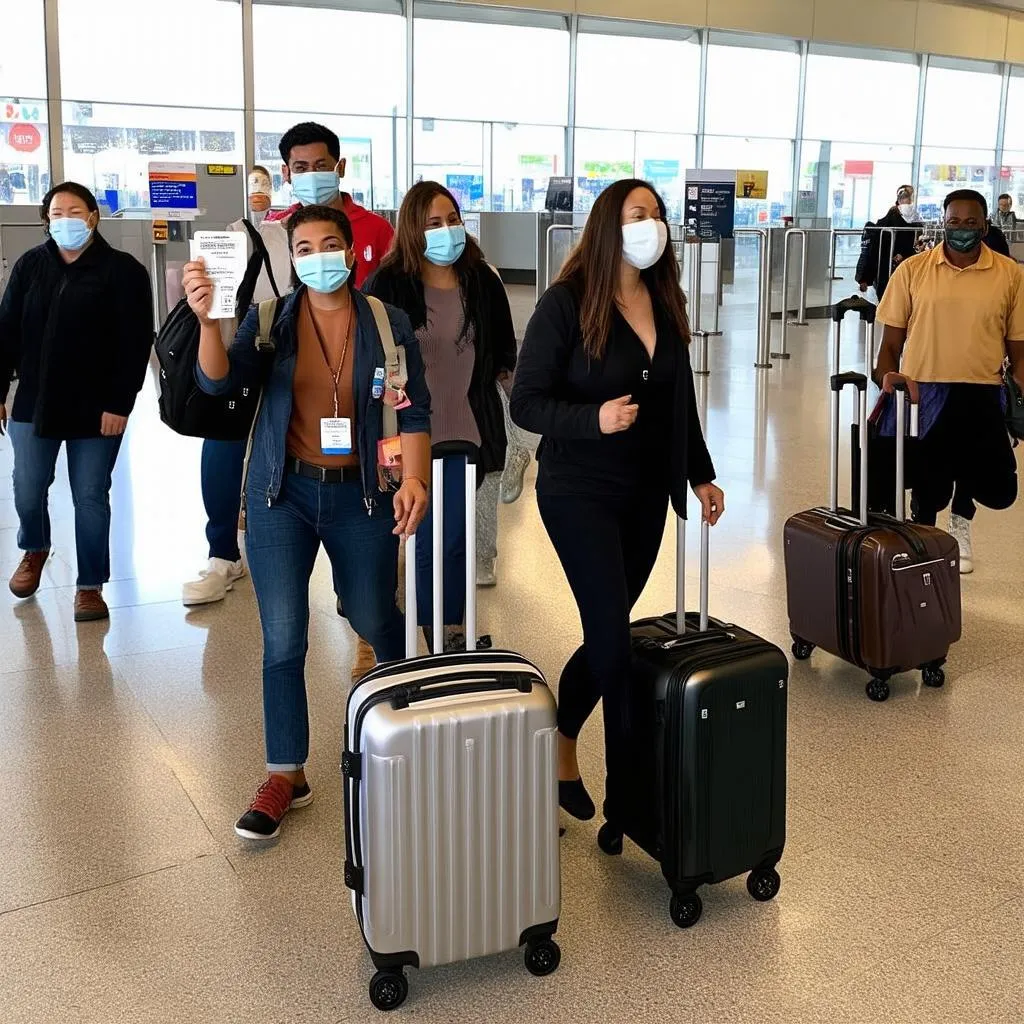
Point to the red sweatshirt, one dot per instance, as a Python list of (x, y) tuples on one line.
[(371, 235)]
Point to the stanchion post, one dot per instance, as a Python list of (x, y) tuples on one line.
[(763, 359), (783, 352), (801, 310)]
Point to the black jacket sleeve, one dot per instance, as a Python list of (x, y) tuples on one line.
[(699, 467), (503, 331), (867, 264), (134, 317), (537, 404), (10, 327)]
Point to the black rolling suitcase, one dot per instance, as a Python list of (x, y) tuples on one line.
[(708, 748)]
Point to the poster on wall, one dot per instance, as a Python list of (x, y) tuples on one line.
[(752, 184)]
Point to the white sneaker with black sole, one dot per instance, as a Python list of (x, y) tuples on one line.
[(960, 531)]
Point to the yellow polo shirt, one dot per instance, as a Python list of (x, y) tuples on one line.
[(957, 321)]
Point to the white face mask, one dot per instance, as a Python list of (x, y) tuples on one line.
[(643, 242), (906, 210)]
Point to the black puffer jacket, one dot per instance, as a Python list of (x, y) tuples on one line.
[(79, 336), (488, 309)]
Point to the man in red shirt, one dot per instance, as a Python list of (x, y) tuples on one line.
[(313, 166)]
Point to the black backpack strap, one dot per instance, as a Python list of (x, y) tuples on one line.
[(261, 247)]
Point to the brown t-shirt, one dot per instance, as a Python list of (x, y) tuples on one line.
[(313, 386)]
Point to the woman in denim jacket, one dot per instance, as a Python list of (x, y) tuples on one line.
[(313, 476)]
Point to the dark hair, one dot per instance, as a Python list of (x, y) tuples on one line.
[(72, 188), (308, 133), (592, 270), (406, 252), (966, 195), (1006, 195), (405, 257), (309, 214)]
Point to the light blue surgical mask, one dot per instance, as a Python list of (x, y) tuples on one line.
[(316, 188), (323, 272), (70, 233), (445, 245)]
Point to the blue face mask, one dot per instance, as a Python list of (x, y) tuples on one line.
[(315, 188), (70, 233), (322, 271), (445, 245)]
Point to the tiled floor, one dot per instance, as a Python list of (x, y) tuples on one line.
[(127, 750)]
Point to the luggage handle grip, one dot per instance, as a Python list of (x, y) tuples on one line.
[(452, 685), (688, 639), (855, 303)]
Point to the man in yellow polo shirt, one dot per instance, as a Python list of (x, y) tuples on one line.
[(952, 315)]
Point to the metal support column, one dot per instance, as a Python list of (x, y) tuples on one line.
[(922, 86), (410, 10), (570, 124), (248, 89), (54, 113), (702, 92), (798, 140), (1001, 130)]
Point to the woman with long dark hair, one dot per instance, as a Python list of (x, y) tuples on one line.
[(76, 324), (437, 274), (604, 375)]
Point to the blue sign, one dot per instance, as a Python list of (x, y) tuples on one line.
[(661, 171), (467, 188), (173, 187), (710, 208)]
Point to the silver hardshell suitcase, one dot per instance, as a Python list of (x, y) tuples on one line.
[(451, 795)]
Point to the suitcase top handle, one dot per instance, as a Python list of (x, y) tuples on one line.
[(854, 304), (851, 378), (456, 450)]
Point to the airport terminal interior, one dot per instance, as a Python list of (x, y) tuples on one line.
[(129, 747)]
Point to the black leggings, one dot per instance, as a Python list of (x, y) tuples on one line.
[(966, 457), (607, 548)]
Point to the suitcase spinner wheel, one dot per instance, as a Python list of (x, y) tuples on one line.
[(388, 989), (685, 909)]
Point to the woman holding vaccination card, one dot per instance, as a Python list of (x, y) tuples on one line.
[(76, 325), (320, 472)]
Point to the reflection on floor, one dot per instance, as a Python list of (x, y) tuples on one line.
[(127, 750)]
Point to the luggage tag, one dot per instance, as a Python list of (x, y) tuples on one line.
[(389, 452), (335, 435)]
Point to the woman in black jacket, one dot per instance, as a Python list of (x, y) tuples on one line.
[(881, 252), (437, 274), (604, 375), (76, 324)]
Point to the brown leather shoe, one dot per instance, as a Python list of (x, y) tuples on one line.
[(25, 581), (365, 660), (90, 606)]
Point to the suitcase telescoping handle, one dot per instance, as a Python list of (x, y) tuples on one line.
[(439, 452), (838, 382), (866, 311), (901, 396), (705, 573)]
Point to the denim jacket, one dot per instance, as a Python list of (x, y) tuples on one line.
[(277, 369)]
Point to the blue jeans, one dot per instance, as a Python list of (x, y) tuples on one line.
[(90, 465), (453, 551), (221, 474), (282, 543)]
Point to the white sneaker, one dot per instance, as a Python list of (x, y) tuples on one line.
[(960, 531), (485, 576), (214, 582)]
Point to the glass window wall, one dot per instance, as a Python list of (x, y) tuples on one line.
[(24, 138), (363, 100)]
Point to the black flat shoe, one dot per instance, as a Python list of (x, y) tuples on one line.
[(609, 839), (574, 799)]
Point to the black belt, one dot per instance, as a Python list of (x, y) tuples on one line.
[(338, 475)]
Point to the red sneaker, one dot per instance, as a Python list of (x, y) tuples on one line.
[(274, 799)]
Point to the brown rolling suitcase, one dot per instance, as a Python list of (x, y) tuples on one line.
[(876, 591)]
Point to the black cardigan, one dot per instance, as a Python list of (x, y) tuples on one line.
[(556, 394), (488, 309), (79, 336)]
